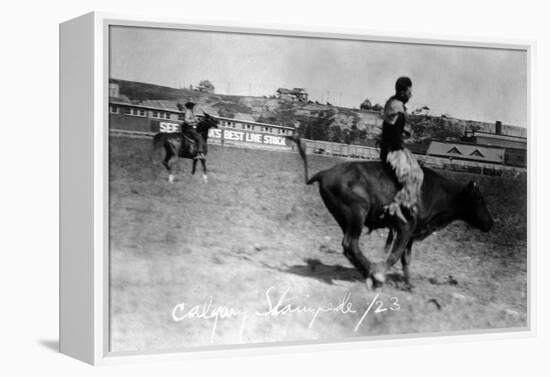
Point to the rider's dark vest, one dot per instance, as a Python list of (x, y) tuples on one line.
[(392, 136)]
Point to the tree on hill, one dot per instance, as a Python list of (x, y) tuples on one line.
[(366, 105), (320, 127), (354, 135), (335, 134), (436, 128), (206, 86)]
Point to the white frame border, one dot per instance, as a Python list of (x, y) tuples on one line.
[(102, 21)]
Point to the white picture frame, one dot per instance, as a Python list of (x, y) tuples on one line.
[(84, 299)]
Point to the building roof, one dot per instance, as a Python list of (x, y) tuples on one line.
[(244, 117), (160, 105), (500, 137), (462, 151), (294, 91), (122, 99), (255, 123)]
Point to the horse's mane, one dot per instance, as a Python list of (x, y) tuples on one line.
[(205, 123)]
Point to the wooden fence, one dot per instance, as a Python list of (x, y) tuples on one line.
[(328, 148), (348, 151)]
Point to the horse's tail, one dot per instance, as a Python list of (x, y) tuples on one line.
[(156, 154), (157, 140)]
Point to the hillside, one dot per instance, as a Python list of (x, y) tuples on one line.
[(313, 120)]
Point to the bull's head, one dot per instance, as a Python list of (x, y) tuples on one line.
[(475, 211)]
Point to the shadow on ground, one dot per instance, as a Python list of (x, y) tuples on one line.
[(328, 274), (52, 345), (325, 273)]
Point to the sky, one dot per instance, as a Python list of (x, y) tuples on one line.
[(464, 82)]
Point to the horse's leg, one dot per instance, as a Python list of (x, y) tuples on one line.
[(194, 166), (167, 165), (166, 160), (204, 172)]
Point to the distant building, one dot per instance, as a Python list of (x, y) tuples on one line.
[(515, 146), (296, 94), (423, 111), (114, 90), (496, 140), (466, 152), (152, 116)]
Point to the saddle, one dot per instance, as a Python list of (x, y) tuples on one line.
[(190, 145), (189, 140)]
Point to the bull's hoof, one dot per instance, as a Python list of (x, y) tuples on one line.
[(370, 284), (375, 281), (379, 277), (171, 178)]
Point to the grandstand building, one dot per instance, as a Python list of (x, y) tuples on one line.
[(466, 152), (515, 147), (163, 116)]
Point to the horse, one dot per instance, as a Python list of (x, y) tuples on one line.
[(179, 145)]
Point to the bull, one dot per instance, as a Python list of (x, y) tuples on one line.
[(356, 192)]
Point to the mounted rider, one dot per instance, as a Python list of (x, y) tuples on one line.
[(408, 172), (189, 127)]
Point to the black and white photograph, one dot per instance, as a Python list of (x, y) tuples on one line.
[(289, 189)]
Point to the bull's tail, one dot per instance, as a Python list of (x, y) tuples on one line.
[(303, 155), (302, 151), (316, 178)]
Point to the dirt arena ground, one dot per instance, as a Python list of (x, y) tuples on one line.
[(254, 256)]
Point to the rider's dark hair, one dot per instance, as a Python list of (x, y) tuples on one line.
[(402, 83)]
